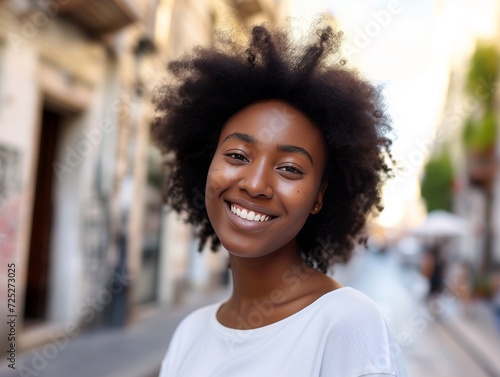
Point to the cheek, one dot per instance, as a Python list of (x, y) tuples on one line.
[(218, 178), (214, 182), (301, 197)]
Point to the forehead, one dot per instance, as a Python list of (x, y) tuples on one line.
[(275, 121)]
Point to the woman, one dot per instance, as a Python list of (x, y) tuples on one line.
[(290, 152)]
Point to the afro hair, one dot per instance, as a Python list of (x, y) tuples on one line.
[(212, 84)]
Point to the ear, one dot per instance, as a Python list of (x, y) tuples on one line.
[(318, 203)]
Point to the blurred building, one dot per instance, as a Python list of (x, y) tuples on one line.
[(471, 145), (80, 180)]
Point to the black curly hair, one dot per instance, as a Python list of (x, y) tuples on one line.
[(214, 83)]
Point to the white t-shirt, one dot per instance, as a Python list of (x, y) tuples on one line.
[(341, 334)]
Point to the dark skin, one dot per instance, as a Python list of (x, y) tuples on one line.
[(264, 181)]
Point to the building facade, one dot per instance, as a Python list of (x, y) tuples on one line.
[(476, 184), (81, 212)]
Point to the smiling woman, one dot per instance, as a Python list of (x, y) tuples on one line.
[(275, 178), (291, 153)]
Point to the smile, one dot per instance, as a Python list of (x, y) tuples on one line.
[(248, 214)]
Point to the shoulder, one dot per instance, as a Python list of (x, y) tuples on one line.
[(198, 319), (350, 305), (347, 313), (185, 335), (190, 329), (357, 330), (352, 314)]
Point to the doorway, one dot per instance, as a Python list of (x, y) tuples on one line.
[(37, 286)]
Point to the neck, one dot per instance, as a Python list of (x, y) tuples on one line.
[(280, 273)]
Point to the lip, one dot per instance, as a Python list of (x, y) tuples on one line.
[(243, 224)]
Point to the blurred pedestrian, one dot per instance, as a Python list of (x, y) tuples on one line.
[(290, 151), (436, 278), (433, 268)]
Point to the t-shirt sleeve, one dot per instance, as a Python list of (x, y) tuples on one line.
[(365, 343)]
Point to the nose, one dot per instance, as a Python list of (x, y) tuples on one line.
[(256, 179)]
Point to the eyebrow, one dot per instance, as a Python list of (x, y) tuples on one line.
[(287, 148), (243, 137), (294, 149)]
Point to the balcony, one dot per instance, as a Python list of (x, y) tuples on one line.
[(248, 9), (481, 167), (101, 16)]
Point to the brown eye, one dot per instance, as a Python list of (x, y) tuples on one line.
[(291, 169), (236, 156)]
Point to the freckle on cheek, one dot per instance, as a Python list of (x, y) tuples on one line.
[(211, 192)]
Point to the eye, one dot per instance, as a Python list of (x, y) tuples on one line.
[(291, 169), (236, 156)]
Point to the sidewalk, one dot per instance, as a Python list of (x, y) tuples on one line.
[(475, 330), (135, 351)]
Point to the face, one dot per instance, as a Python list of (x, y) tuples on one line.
[(265, 179)]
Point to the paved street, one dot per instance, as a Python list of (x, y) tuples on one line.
[(429, 346)]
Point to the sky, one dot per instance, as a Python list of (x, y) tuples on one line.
[(408, 47)]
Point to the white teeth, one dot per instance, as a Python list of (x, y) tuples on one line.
[(248, 215)]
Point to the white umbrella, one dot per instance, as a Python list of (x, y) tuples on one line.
[(441, 223)]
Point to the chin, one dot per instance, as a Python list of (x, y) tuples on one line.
[(243, 249)]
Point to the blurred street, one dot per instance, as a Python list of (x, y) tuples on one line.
[(136, 350), (437, 344), (97, 272), (433, 344)]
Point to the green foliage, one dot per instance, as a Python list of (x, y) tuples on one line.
[(436, 188), (480, 134), (483, 70)]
